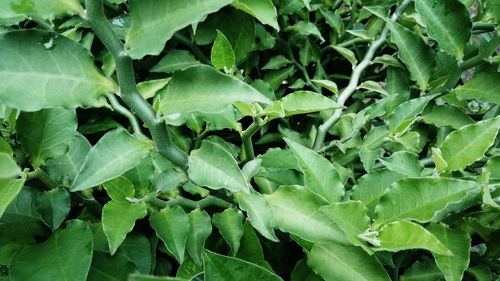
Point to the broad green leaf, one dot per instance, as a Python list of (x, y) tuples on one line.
[(263, 10), (222, 55), (149, 88), (43, 9), (9, 188), (119, 189), (403, 163), (22, 208), (114, 154), (276, 62), (110, 268), (53, 205), (346, 53), (64, 168), (214, 167), (8, 166), (447, 115), (429, 195), (203, 89), (230, 226), (404, 235), (138, 249), (448, 22), (493, 167), (251, 168), (320, 175), (142, 277), (200, 228), (250, 247), (306, 28), (296, 210), (65, 256), (302, 272), (5, 147), (351, 217), (175, 60), (327, 84), (259, 213), (459, 243), (276, 77), (469, 143), (61, 73), (224, 268), (482, 87), (334, 261), (46, 133), (420, 271), (414, 53), (279, 158), (172, 227), (118, 219), (373, 86), (154, 22), (301, 102), (406, 111)]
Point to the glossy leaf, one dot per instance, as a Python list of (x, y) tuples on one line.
[(119, 189), (222, 55), (9, 188), (54, 205), (403, 163), (306, 102), (259, 213), (482, 87), (115, 153), (61, 73), (164, 222), (346, 53), (200, 228), (446, 115), (8, 166), (44, 9), (175, 60), (230, 226), (263, 10)]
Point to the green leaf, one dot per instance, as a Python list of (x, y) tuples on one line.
[(448, 22), (306, 28), (482, 87), (149, 88), (415, 54), (182, 95), (346, 53), (175, 60), (493, 167), (141, 277), (54, 205), (65, 256), (250, 247), (469, 143), (403, 163), (222, 55), (230, 226), (429, 195), (154, 22), (200, 228), (301, 102), (406, 111), (447, 115), (8, 166), (259, 213), (61, 73), (9, 188), (114, 154), (404, 235), (334, 261), (351, 217), (302, 272), (138, 249), (263, 10), (172, 227), (276, 62), (420, 271), (296, 210), (320, 175), (327, 84), (119, 189), (223, 268), (44, 9), (118, 219), (110, 268), (214, 167), (459, 243), (46, 133)]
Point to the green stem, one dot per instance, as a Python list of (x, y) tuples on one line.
[(352, 42), (125, 112), (487, 26), (301, 68), (128, 89), (353, 82), (181, 38), (188, 203), (41, 175), (246, 139)]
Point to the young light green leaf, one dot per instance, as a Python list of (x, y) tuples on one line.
[(404, 235), (223, 268), (43, 9), (114, 154), (230, 225), (263, 10), (9, 188), (346, 53), (482, 87), (403, 163), (53, 206), (46, 133), (259, 213), (175, 60), (276, 62), (65, 256), (429, 195), (373, 86), (296, 210), (448, 22), (172, 227), (414, 53), (307, 28), (149, 88), (200, 228), (154, 22), (214, 167), (118, 219), (493, 167), (351, 217), (203, 89), (458, 242), (327, 84), (61, 72), (320, 175), (406, 111), (8, 166), (119, 189), (301, 102), (222, 55), (334, 261), (469, 143)]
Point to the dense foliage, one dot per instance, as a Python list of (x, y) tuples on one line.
[(249, 140)]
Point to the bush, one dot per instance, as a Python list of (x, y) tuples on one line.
[(235, 140)]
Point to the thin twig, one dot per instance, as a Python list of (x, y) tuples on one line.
[(188, 203), (125, 112), (246, 139)]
